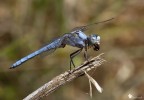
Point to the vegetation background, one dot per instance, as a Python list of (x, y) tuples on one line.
[(27, 25)]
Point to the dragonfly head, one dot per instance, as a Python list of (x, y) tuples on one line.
[(94, 40)]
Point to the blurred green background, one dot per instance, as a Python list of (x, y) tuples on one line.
[(27, 25)]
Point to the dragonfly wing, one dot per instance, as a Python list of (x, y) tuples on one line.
[(50, 47), (47, 52), (84, 28)]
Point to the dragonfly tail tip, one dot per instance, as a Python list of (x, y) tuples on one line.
[(12, 67)]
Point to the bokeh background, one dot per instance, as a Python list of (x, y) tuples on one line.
[(27, 25)]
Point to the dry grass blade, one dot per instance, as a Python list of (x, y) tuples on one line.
[(94, 82), (90, 89)]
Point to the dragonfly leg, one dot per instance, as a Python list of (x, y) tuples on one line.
[(85, 53), (72, 55)]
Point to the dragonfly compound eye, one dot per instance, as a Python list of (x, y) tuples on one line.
[(95, 39)]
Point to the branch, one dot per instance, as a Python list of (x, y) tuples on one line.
[(64, 78)]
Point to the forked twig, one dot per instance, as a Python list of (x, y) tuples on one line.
[(64, 78)]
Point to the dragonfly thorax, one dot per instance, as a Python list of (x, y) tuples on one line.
[(94, 40)]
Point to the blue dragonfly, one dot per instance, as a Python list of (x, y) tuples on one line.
[(75, 38)]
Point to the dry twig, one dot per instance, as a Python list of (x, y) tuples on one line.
[(64, 78)]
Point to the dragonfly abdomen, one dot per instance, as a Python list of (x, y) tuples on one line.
[(24, 59)]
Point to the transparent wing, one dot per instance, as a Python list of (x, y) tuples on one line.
[(50, 48), (44, 54), (83, 28)]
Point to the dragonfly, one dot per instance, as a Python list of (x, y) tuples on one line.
[(75, 38)]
